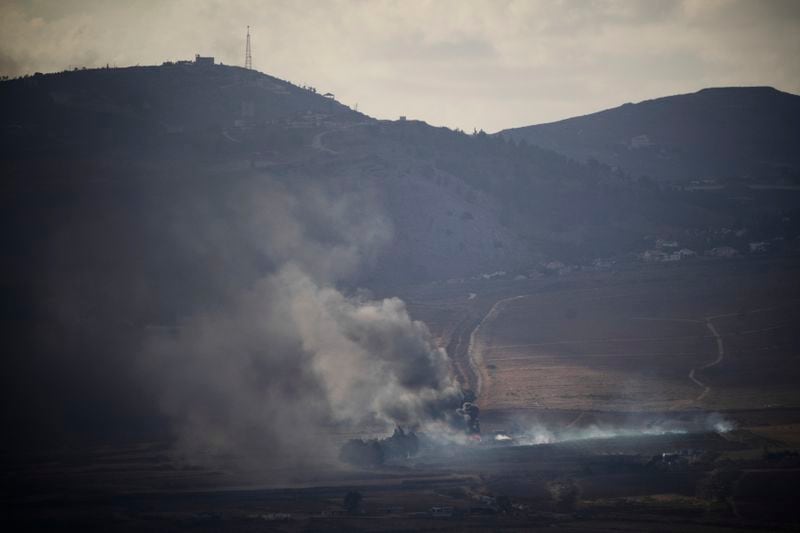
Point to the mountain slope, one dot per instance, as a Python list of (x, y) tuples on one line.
[(134, 198), (740, 132), (151, 109)]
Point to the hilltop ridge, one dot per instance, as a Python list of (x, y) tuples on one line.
[(150, 106), (716, 133)]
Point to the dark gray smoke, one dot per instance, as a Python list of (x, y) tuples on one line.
[(470, 414), (270, 372)]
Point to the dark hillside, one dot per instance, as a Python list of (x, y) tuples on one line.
[(133, 198), (154, 110), (750, 133)]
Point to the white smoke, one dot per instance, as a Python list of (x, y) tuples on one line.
[(267, 374), (542, 434)]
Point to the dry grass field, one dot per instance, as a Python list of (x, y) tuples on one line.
[(709, 336), (591, 349)]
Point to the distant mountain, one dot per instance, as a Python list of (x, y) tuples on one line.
[(147, 148), (750, 133), (151, 110), (107, 142), (135, 197)]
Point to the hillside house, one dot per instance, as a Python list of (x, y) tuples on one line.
[(202, 61), (723, 251)]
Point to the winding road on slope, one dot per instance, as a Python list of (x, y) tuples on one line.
[(317, 142)]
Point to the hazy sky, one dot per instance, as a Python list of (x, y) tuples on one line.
[(489, 64)]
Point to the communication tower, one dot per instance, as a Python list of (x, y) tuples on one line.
[(248, 58)]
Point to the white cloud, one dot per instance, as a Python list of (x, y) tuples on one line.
[(482, 63)]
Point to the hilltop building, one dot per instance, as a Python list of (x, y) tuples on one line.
[(201, 61)]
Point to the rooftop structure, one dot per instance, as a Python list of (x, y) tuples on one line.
[(203, 61)]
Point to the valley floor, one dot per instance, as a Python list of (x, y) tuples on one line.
[(708, 347), (709, 335)]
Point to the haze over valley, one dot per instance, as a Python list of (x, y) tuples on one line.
[(232, 301)]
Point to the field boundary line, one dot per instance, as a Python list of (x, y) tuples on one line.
[(476, 360), (715, 362)]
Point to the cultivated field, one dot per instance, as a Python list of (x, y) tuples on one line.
[(713, 336)]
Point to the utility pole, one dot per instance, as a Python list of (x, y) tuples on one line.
[(248, 58)]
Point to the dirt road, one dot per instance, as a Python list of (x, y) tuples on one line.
[(318, 141), (475, 349), (715, 362)]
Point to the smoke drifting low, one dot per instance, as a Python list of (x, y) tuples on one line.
[(265, 375), (542, 434)]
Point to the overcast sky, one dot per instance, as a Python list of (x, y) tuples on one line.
[(488, 64)]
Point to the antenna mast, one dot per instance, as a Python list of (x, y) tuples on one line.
[(248, 58)]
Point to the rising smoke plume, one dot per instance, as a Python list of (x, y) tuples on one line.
[(268, 372)]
